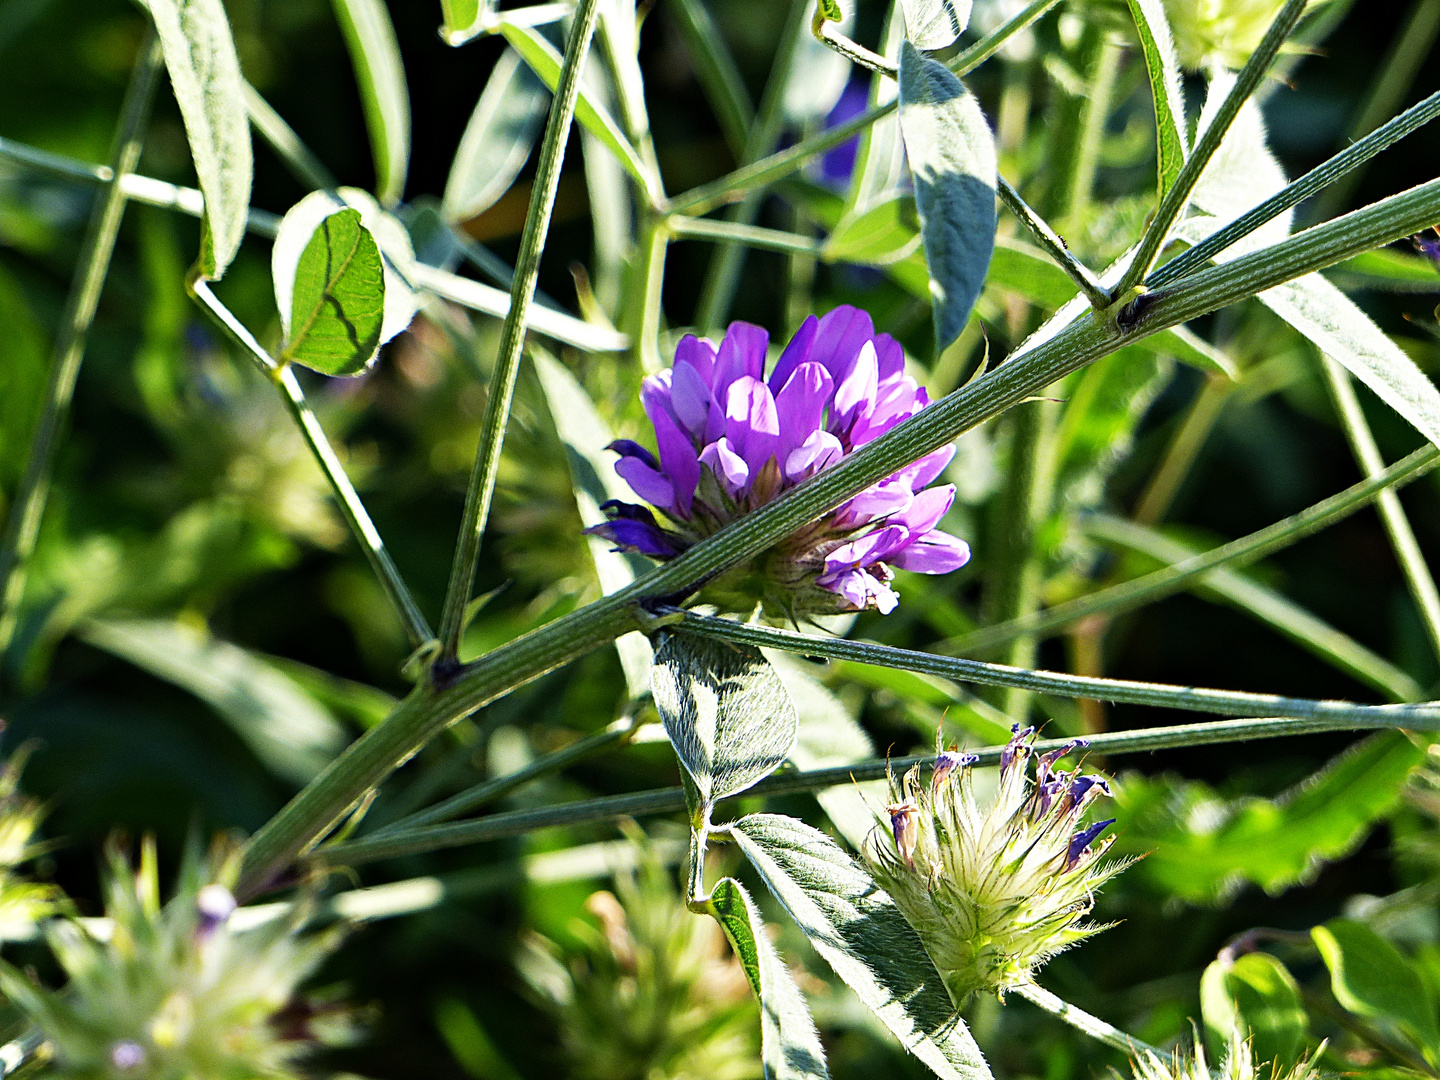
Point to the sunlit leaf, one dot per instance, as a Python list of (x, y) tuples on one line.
[(375, 53), (1164, 70), (337, 305), (1371, 978), (1254, 997), (935, 24), (498, 139), (878, 234)]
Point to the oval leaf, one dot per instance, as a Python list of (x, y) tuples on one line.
[(205, 73), (726, 712), (1255, 997), (883, 233), (337, 303), (375, 54), (860, 932), (497, 140), (1164, 71), (789, 1045), (1371, 978), (935, 24), (460, 19), (952, 156)]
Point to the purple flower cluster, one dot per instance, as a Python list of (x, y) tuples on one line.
[(1060, 796), (731, 439)]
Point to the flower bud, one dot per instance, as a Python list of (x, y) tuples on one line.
[(995, 891)]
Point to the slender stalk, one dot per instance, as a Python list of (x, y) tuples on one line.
[(1178, 197), (1297, 191), (1092, 131), (1082, 1021), (737, 233), (22, 525), (365, 763), (474, 798), (1392, 514), (417, 630), (1172, 579), (512, 338), (1184, 448), (707, 197), (672, 800), (1120, 691), (853, 51), (715, 67), (1051, 241), (646, 298), (299, 158)]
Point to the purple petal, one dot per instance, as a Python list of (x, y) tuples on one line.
[(855, 391), (905, 824), (862, 589), (646, 482), (655, 396), (891, 357), (796, 353), (679, 462), (1081, 841), (946, 762), (635, 536), (727, 465), (1018, 748), (874, 503), (741, 353), (752, 423), (696, 353), (629, 448), (924, 511), (819, 451), (690, 399), (801, 405), (840, 335), (919, 474), (866, 551), (935, 553)]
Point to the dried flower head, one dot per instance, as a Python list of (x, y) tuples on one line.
[(179, 991), (1239, 1064), (995, 891), (732, 439)]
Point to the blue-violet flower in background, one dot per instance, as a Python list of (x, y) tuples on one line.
[(731, 439)]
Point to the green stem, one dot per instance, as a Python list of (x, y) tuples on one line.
[(1172, 579), (853, 51), (707, 197), (1184, 448), (719, 77), (1121, 691), (647, 293), (733, 232), (512, 337), (22, 525), (1050, 240), (351, 507), (429, 710), (1178, 197), (1392, 514), (299, 158), (672, 800), (1294, 193), (1083, 1022), (483, 794)]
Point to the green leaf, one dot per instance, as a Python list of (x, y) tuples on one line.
[(1164, 71), (882, 233), (1201, 848), (829, 10), (375, 54), (1371, 978), (931, 25), (22, 378), (497, 140), (860, 932), (595, 482), (1254, 997), (292, 734), (337, 305), (725, 710), (790, 1046), (952, 157), (1388, 270), (461, 17), (546, 62), (205, 73)]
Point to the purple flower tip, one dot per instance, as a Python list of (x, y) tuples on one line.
[(215, 904), (946, 762), (905, 824), (127, 1056), (1080, 842)]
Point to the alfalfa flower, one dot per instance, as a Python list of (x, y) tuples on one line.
[(1238, 1064), (993, 891), (731, 439), (179, 990)]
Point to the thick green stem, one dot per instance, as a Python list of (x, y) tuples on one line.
[(368, 761), (1178, 197), (22, 525), (512, 338)]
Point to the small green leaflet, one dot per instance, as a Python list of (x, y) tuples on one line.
[(860, 932), (205, 73), (952, 157), (1164, 71), (1371, 978), (460, 18), (1254, 997), (726, 712), (375, 54), (882, 233), (337, 305), (497, 140), (790, 1046), (827, 11), (932, 25)]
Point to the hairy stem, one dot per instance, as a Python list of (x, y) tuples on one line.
[(1083, 1022)]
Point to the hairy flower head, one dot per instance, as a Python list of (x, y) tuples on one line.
[(731, 439), (1239, 1064), (993, 891), (179, 991), (1209, 32)]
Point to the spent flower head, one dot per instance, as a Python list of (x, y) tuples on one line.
[(731, 439), (178, 991), (993, 891), (1238, 1064)]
